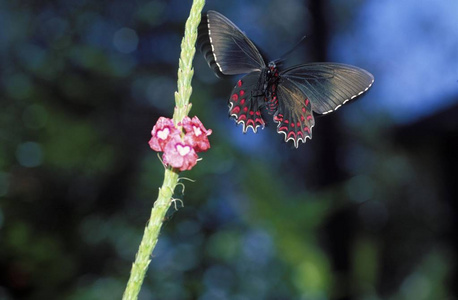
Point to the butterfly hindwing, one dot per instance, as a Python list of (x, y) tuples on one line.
[(244, 102), (329, 85), (294, 114), (226, 48)]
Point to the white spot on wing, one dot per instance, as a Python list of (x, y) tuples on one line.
[(351, 98), (211, 44)]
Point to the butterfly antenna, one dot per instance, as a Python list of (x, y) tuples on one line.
[(283, 57)]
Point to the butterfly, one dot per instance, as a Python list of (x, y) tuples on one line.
[(291, 96)]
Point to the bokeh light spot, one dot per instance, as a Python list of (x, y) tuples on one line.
[(159, 91), (29, 154), (125, 40), (360, 188)]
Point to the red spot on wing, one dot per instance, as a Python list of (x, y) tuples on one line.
[(309, 117), (242, 92), (251, 112), (283, 128), (236, 110), (290, 134), (302, 119), (242, 117), (307, 129), (239, 83), (245, 109), (242, 102), (286, 121), (235, 97), (250, 122), (298, 124), (303, 109), (307, 102), (258, 113), (292, 124)]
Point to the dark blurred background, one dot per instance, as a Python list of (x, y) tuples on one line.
[(366, 210)]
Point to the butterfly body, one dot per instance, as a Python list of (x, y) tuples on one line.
[(270, 88), (290, 96), (264, 91)]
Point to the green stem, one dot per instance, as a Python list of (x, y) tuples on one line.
[(164, 199), (150, 236)]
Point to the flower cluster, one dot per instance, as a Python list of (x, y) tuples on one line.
[(180, 147)]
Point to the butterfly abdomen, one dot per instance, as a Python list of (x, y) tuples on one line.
[(271, 99)]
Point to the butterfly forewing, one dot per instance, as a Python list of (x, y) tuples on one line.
[(294, 114), (329, 85), (244, 102), (227, 50)]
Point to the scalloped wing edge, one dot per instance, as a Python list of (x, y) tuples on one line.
[(245, 126), (295, 141)]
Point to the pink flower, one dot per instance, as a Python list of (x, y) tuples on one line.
[(179, 146), (179, 154), (162, 132), (196, 134)]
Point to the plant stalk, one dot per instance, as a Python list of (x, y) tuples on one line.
[(164, 199)]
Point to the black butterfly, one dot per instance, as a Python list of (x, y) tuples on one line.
[(289, 95)]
